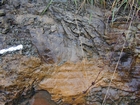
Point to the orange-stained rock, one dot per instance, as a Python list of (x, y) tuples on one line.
[(69, 80), (65, 83)]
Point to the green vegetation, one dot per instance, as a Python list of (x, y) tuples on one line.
[(114, 4), (133, 6), (47, 7)]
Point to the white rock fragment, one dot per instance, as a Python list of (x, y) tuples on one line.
[(19, 47)]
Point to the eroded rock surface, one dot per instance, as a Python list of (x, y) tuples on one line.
[(75, 36), (80, 49), (70, 83), (70, 79)]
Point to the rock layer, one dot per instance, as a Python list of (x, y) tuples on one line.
[(77, 47)]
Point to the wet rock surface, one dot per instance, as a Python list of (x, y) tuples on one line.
[(69, 53), (42, 98)]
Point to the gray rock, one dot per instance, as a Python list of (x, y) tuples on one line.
[(2, 2), (96, 89), (113, 93), (122, 93), (133, 97), (138, 26), (4, 31), (97, 103), (2, 12), (133, 28)]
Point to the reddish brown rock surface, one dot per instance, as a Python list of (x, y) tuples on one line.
[(42, 98)]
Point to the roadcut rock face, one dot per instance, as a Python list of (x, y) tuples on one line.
[(72, 83), (68, 56)]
